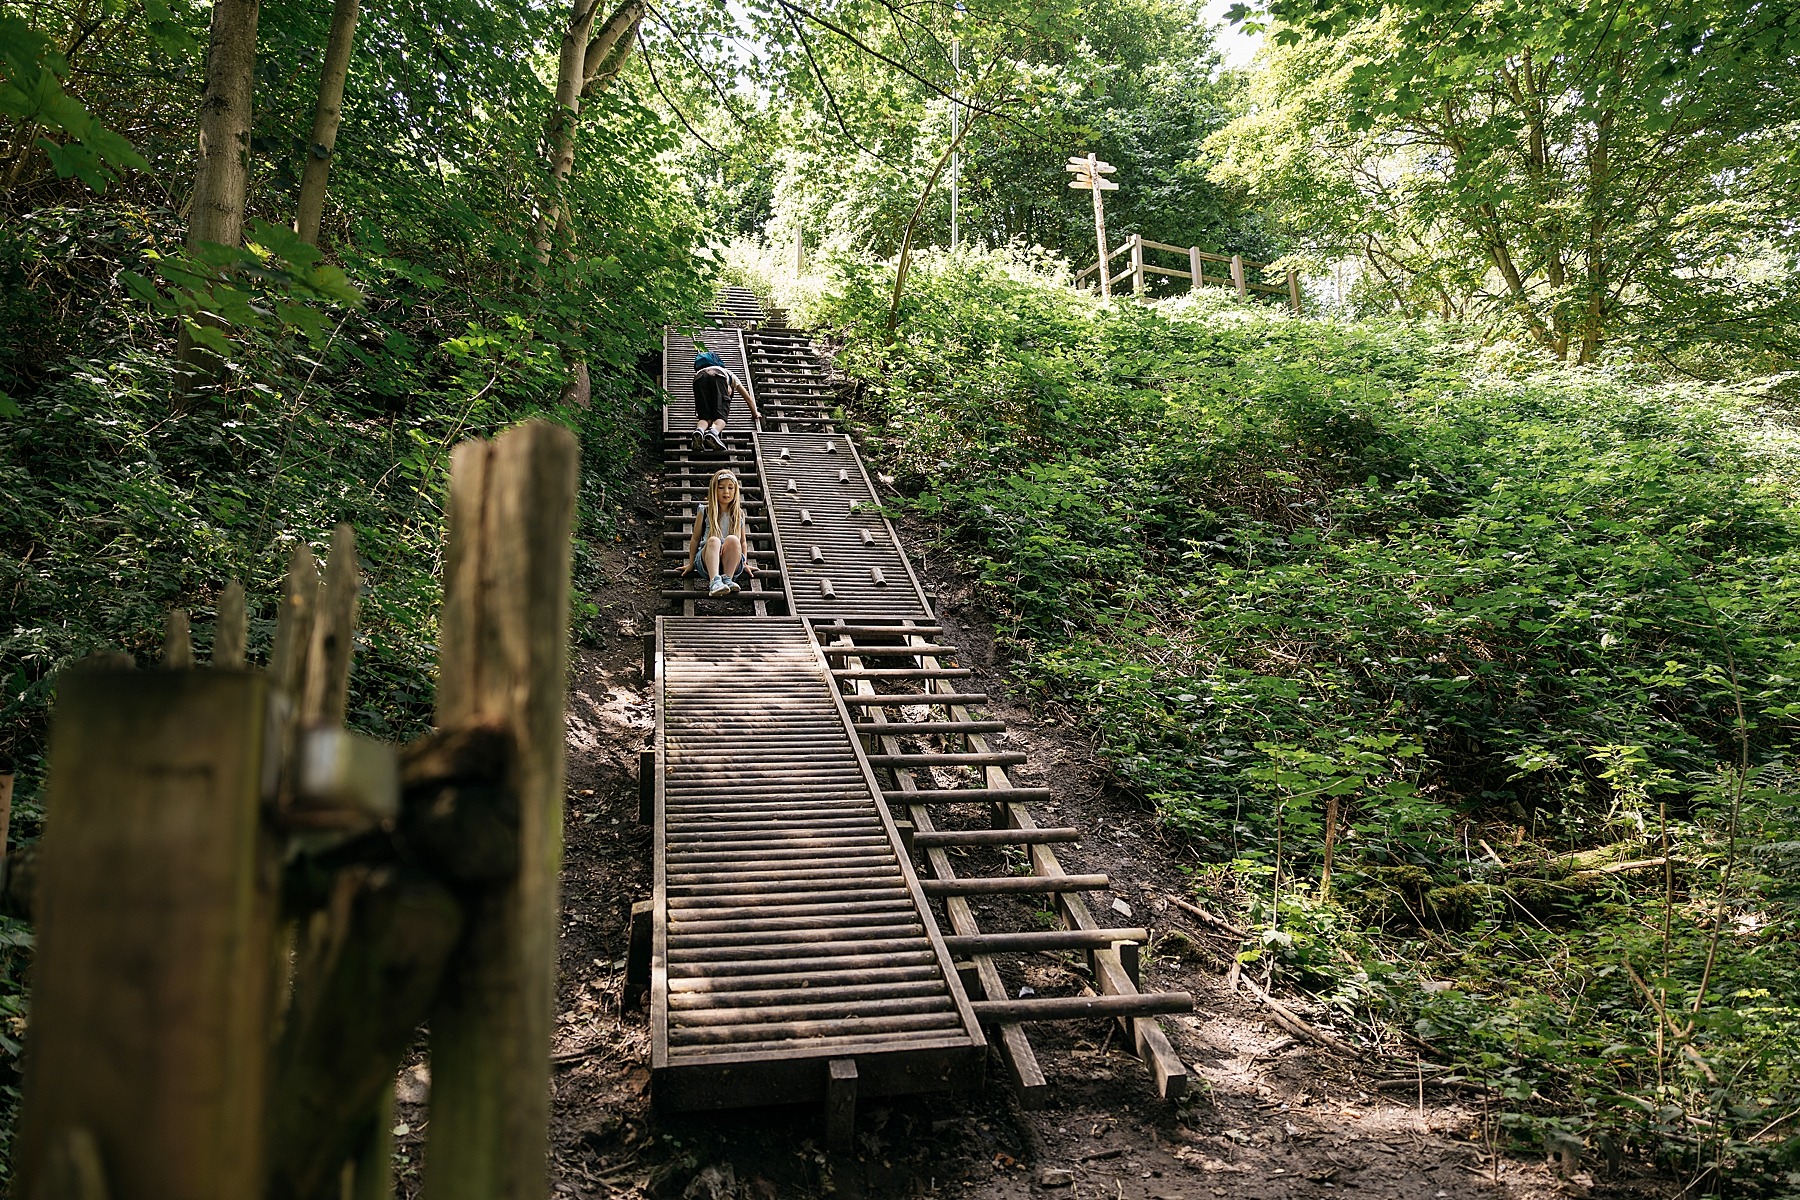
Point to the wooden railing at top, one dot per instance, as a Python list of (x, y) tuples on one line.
[(1137, 268)]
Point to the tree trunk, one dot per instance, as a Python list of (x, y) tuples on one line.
[(218, 203), (589, 61), (218, 208), (1599, 175), (326, 117), (912, 224)]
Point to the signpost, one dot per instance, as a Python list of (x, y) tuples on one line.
[(1091, 174)]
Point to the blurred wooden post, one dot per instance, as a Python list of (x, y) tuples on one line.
[(325, 694), (1294, 290), (1137, 264), (178, 641), (155, 910), (1237, 276), (503, 656), (1194, 268), (231, 633)]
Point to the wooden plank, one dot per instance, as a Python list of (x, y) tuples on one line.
[(504, 655), (1151, 1043), (155, 912), (1044, 939), (1071, 1008), (1166, 271), (840, 1105), (997, 837), (1016, 885)]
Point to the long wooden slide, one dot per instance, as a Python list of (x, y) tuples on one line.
[(820, 767)]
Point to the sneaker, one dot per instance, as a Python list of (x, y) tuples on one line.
[(718, 441), (733, 585), (721, 586), (699, 441)]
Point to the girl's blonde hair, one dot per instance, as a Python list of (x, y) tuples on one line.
[(713, 525)]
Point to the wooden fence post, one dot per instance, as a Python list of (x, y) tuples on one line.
[(1137, 265), (503, 655), (1194, 268), (155, 910), (1293, 282), (1237, 275)]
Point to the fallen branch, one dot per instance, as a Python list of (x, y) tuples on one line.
[(1291, 1021), (1218, 923), (1636, 864)]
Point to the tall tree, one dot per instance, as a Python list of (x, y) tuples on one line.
[(1571, 172), (588, 62), (326, 118), (223, 166)]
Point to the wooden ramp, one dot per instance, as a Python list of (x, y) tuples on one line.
[(790, 930), (804, 763)]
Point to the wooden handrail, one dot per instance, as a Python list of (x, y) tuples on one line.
[(1239, 267)]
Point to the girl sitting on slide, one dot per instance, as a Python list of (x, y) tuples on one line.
[(720, 544)]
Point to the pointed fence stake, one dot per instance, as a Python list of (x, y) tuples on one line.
[(504, 652)]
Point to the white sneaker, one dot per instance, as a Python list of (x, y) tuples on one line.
[(718, 440), (720, 586)]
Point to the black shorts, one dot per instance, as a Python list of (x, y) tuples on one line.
[(712, 397)]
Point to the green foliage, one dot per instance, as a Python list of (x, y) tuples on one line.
[(345, 374), (1582, 175), (1463, 593), (32, 94)]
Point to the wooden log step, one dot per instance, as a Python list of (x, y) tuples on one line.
[(700, 859), (897, 900), (989, 758), (908, 728), (1070, 1008), (782, 980), (848, 962), (836, 1027), (967, 795), (692, 1001), (824, 625), (906, 699), (1043, 939), (901, 672), (688, 1020), (699, 924), (1010, 885), (841, 651), (906, 936), (786, 904), (817, 877), (773, 950), (994, 837)]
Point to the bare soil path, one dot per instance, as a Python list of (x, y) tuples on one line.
[(1268, 1117)]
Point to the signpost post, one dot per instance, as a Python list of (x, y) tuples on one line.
[(1090, 173)]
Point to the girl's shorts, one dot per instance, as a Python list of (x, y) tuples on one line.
[(700, 564)]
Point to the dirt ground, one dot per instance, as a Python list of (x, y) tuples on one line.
[(1267, 1115)]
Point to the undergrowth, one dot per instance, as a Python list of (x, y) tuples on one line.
[(1472, 680), (343, 392)]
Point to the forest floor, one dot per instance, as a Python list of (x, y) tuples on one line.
[(1266, 1117)]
